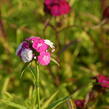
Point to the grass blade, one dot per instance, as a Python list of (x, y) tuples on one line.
[(49, 100), (58, 102)]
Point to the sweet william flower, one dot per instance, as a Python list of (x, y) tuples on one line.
[(79, 104), (51, 2), (103, 81), (55, 10), (35, 48), (44, 58), (40, 45), (56, 7), (64, 8)]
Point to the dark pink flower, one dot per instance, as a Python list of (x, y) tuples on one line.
[(64, 8), (79, 103), (51, 2), (103, 81), (40, 45), (106, 13), (44, 58), (55, 10), (56, 7)]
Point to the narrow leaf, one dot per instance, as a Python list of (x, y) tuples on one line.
[(12, 104), (49, 100), (58, 102), (71, 104), (23, 69), (52, 59)]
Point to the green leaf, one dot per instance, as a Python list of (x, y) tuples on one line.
[(71, 104), (49, 100), (23, 69), (32, 71), (52, 59), (12, 104), (58, 102)]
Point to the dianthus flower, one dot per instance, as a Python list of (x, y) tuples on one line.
[(103, 81), (35, 48), (79, 104), (56, 7)]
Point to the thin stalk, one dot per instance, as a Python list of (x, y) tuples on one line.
[(38, 89)]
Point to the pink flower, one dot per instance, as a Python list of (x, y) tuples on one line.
[(51, 2), (56, 7), (48, 2), (35, 48), (40, 45), (55, 10), (79, 103), (44, 58), (103, 81), (64, 8)]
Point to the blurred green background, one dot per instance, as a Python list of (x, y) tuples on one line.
[(82, 50)]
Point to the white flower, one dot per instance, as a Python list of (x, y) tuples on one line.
[(26, 55), (49, 43), (18, 49)]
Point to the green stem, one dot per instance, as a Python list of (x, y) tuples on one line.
[(38, 89)]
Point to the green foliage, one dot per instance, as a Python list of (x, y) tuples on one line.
[(82, 45)]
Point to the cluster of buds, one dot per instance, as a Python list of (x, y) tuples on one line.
[(56, 7), (35, 48)]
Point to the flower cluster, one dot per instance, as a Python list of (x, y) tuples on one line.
[(56, 7), (35, 48), (103, 81), (79, 104)]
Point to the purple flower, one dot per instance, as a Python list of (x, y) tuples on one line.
[(103, 81), (56, 7), (79, 103), (21, 47)]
